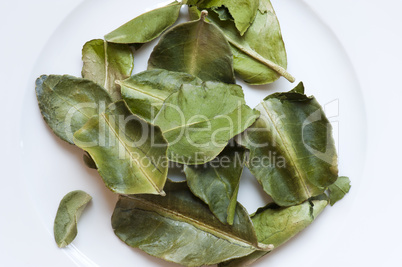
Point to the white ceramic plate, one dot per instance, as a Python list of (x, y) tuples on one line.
[(52, 168)]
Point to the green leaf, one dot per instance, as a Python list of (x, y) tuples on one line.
[(242, 11), (147, 26), (259, 56), (217, 182), (67, 103), (180, 228), (104, 63), (275, 225), (145, 92), (68, 213), (339, 189), (292, 152), (198, 48), (198, 121), (89, 162), (130, 154)]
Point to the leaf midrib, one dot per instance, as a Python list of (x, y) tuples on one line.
[(131, 157), (299, 173), (200, 225)]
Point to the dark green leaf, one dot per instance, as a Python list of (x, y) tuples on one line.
[(198, 121), (259, 55), (89, 162), (130, 153), (217, 182), (104, 63), (68, 213), (198, 48), (275, 225), (67, 103), (180, 228), (339, 189), (242, 11), (145, 92), (292, 152), (147, 26)]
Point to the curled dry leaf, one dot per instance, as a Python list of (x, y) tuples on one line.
[(259, 56), (198, 48), (67, 102), (217, 182), (180, 228), (147, 26), (145, 92), (339, 189), (275, 225), (292, 152), (198, 121), (243, 12), (104, 63), (68, 213), (120, 144)]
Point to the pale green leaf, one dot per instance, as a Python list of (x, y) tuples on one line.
[(104, 63), (339, 189), (259, 56), (68, 213), (67, 103), (147, 26), (198, 48), (198, 121), (275, 225), (242, 11), (180, 228), (130, 153), (292, 152), (217, 182), (145, 92)]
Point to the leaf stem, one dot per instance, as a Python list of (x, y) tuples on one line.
[(280, 70), (204, 14)]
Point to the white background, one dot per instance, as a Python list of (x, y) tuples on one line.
[(370, 31)]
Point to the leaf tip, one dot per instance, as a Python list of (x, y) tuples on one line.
[(265, 247)]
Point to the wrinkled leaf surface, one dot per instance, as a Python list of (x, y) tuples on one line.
[(339, 189), (198, 121), (259, 56), (145, 92), (67, 102), (217, 182), (180, 228), (275, 225), (104, 63), (68, 213), (198, 48), (292, 152), (147, 26), (130, 153)]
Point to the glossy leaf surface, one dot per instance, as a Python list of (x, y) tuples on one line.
[(339, 189), (145, 92), (292, 152), (68, 213), (198, 48), (275, 225), (67, 102), (259, 56), (130, 154), (242, 11), (198, 121), (180, 228), (217, 182), (147, 26), (104, 63)]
